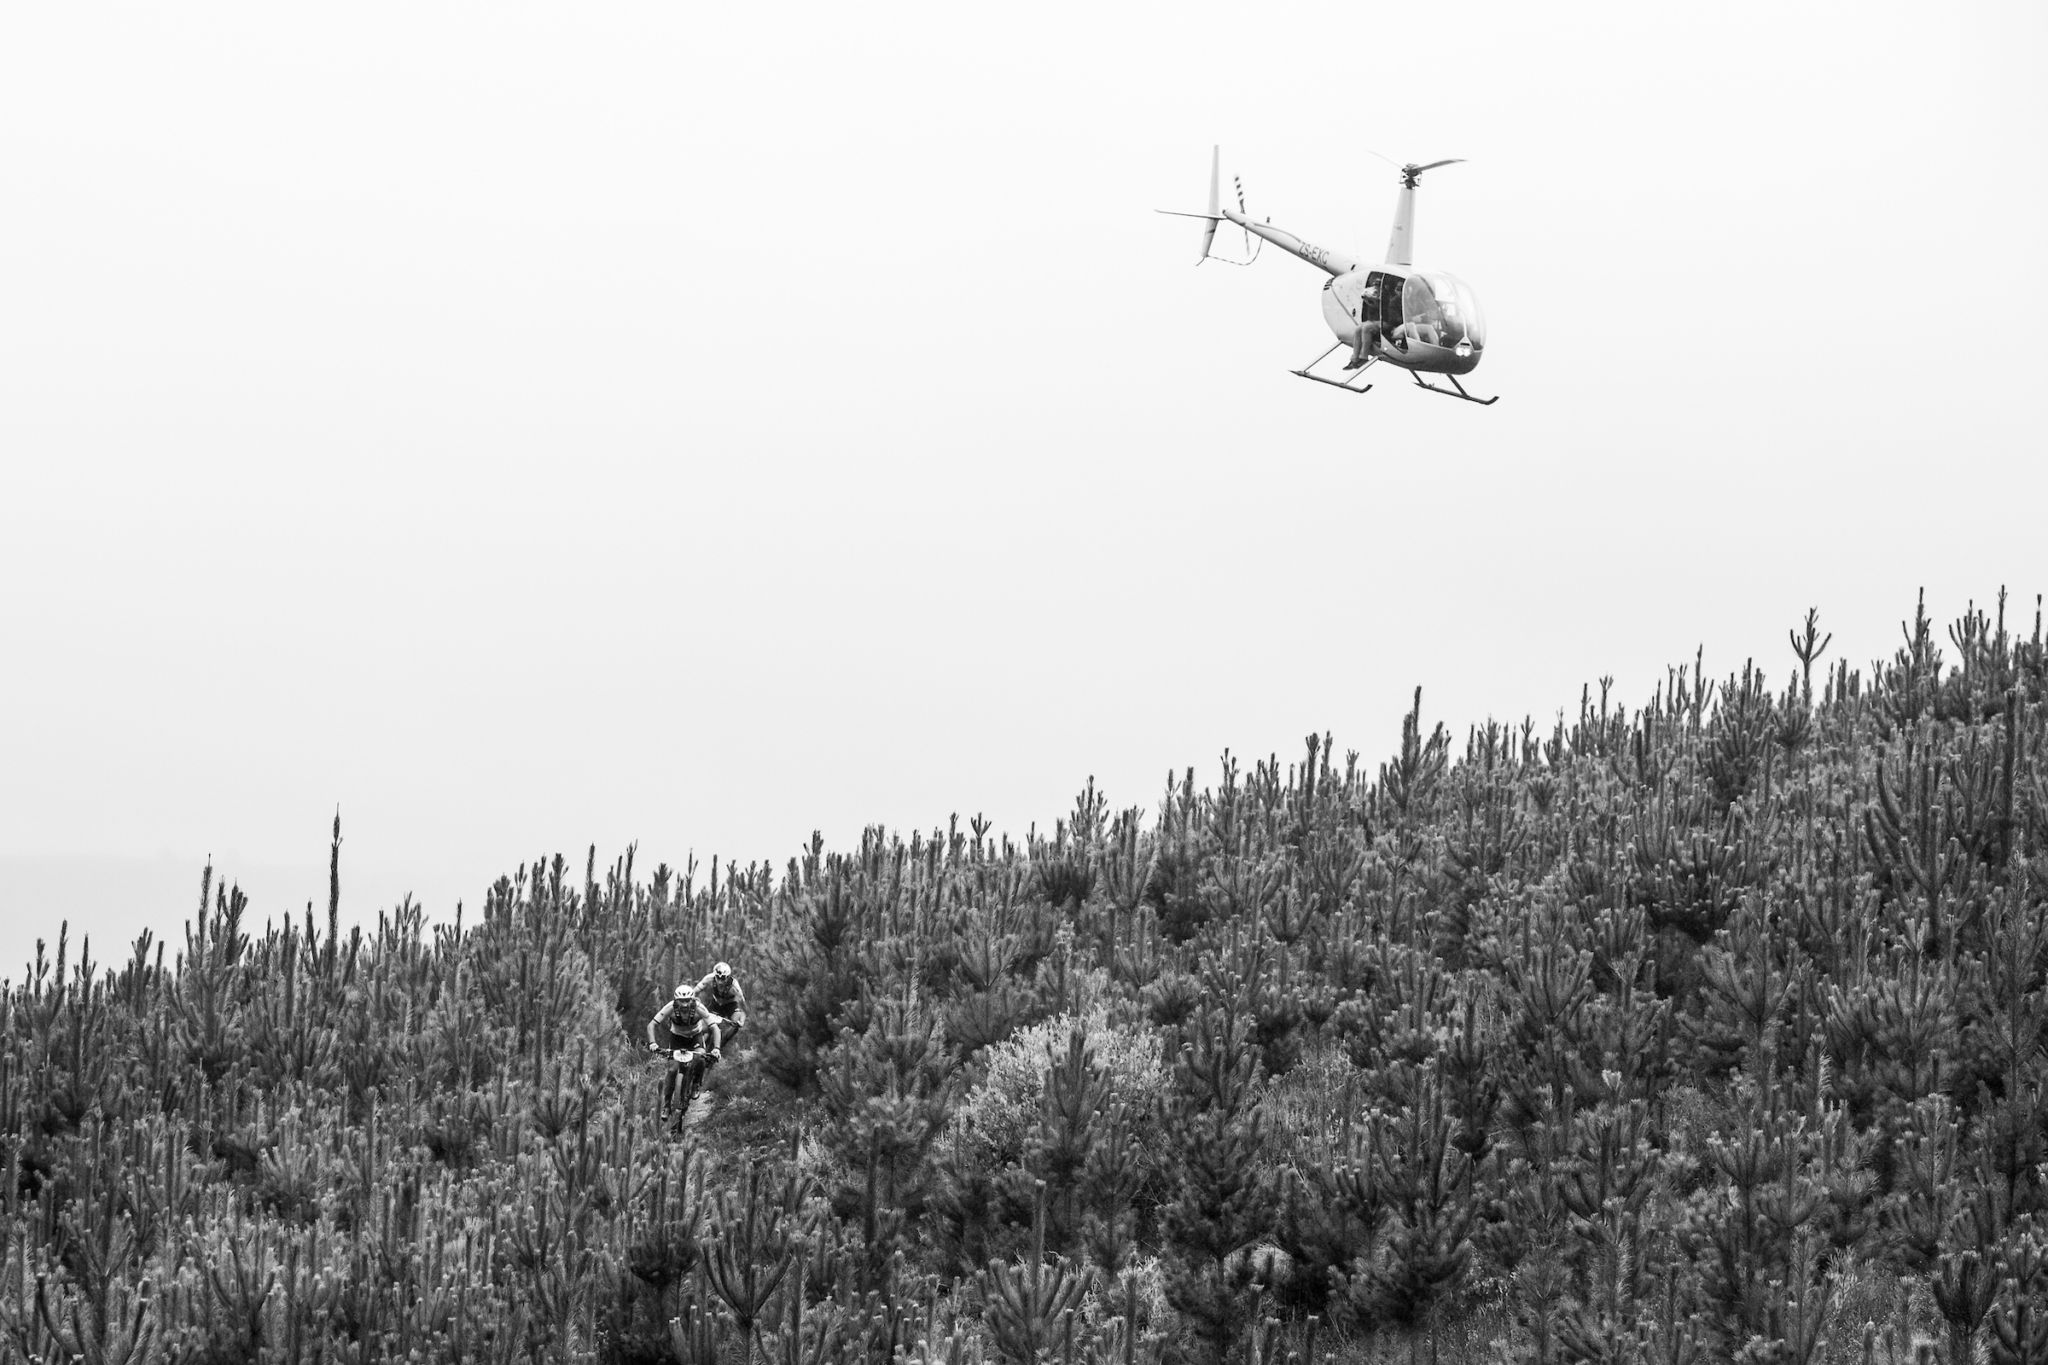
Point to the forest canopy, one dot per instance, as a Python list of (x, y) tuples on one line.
[(1712, 1028)]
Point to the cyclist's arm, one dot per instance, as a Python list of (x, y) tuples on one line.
[(715, 1023), (739, 1005), (661, 1017)]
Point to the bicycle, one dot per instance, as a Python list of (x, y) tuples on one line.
[(691, 1064)]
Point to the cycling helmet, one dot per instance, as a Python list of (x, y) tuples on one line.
[(686, 993), (723, 971)]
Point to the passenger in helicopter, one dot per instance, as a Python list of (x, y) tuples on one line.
[(1368, 326), (1425, 318), (1384, 291)]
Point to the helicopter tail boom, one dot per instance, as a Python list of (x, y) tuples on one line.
[(1330, 262)]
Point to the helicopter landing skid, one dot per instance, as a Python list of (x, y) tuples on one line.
[(1482, 402), (1354, 371)]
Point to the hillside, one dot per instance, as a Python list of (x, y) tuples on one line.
[(1707, 1028)]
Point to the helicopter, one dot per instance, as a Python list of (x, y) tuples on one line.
[(1421, 321)]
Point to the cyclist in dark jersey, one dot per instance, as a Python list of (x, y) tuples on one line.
[(683, 1025), (720, 991)]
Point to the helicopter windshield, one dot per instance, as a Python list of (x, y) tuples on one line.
[(1442, 310)]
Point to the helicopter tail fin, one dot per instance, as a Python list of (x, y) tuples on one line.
[(1215, 214), (1215, 198)]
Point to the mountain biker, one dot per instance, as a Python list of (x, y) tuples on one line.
[(721, 992), (683, 1025)]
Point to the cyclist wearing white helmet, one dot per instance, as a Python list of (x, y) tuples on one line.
[(683, 1025), (721, 991), (686, 1021)]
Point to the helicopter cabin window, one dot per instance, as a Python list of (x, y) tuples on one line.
[(1441, 310), (1425, 316)]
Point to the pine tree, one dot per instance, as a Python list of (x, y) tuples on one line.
[(2019, 1326), (885, 1094), (1029, 1306), (1424, 1183), (752, 1252), (1223, 1204)]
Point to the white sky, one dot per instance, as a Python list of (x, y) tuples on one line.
[(526, 427)]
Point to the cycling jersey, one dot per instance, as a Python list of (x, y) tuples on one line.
[(686, 1025), (724, 997)]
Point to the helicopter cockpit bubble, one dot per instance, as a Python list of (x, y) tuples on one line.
[(1439, 309)]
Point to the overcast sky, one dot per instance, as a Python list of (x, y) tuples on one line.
[(529, 427)]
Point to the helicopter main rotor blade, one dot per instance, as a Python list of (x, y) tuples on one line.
[(1411, 174)]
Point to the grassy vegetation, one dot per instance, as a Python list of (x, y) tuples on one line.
[(1712, 1029)]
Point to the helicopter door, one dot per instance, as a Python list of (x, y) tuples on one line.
[(1383, 300)]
